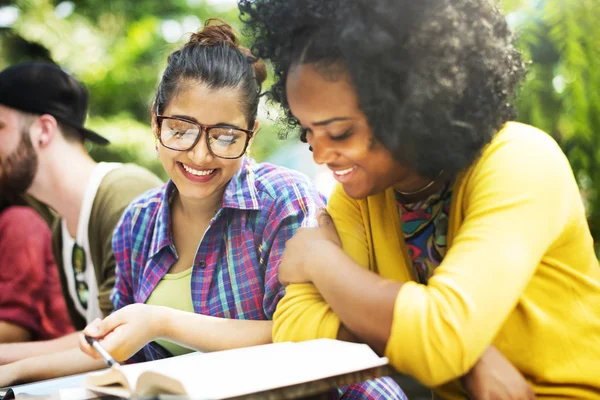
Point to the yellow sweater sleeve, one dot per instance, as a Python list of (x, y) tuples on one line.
[(517, 203), (303, 314)]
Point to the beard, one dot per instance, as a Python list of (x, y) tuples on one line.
[(17, 171)]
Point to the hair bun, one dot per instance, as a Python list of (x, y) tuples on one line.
[(216, 32)]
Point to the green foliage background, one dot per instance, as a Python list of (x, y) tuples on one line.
[(118, 48), (561, 94)]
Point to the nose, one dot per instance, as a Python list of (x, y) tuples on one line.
[(200, 153), (323, 150)]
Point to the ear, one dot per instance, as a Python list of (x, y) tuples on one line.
[(255, 130), (45, 130), (153, 122)]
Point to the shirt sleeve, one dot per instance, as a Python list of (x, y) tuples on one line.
[(295, 207), (24, 238), (122, 290), (303, 313), (518, 201)]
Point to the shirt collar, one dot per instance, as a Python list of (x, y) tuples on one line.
[(162, 227), (241, 193)]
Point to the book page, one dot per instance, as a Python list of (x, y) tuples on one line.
[(128, 376), (254, 369), (268, 367)]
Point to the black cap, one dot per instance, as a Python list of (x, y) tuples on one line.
[(44, 88)]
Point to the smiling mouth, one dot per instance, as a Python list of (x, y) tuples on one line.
[(197, 172), (344, 171)]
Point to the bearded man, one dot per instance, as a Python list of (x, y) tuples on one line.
[(42, 153)]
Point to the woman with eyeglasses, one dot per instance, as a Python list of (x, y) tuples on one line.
[(458, 238), (197, 259)]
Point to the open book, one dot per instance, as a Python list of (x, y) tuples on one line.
[(275, 371)]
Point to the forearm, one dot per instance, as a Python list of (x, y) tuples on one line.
[(55, 365), (207, 333), (11, 352), (11, 333), (363, 300)]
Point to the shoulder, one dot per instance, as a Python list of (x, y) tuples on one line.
[(523, 144), (522, 155), (521, 163), (122, 185), (280, 185), (130, 177), (22, 220)]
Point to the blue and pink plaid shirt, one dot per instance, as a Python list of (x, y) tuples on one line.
[(235, 269)]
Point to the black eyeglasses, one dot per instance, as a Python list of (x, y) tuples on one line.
[(78, 261), (223, 141)]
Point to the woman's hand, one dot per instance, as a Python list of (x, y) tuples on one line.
[(303, 249), (495, 378), (124, 332)]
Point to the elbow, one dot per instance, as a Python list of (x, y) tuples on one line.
[(279, 331), (443, 346), (441, 377), (291, 325), (440, 364), (302, 314), (285, 325), (280, 336)]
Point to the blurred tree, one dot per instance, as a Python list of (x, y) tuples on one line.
[(560, 96)]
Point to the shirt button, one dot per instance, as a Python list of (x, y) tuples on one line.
[(202, 264)]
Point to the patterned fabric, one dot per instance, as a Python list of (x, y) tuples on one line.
[(235, 268), (377, 389), (425, 226)]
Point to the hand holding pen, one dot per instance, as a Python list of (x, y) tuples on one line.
[(124, 332), (106, 357)]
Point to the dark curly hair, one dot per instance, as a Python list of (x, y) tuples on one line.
[(434, 77)]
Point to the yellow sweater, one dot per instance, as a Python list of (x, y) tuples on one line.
[(520, 272)]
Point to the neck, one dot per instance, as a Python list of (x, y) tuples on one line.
[(420, 188), (62, 180), (198, 209)]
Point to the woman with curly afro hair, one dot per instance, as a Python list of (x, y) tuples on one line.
[(458, 238)]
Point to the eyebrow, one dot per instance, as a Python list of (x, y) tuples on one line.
[(331, 120), (196, 121)]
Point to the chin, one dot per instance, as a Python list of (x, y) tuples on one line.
[(357, 193), (362, 192)]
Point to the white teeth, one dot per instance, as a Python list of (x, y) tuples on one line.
[(197, 172), (344, 172)]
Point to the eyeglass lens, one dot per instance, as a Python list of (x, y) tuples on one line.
[(223, 141)]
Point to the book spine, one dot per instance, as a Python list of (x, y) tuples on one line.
[(319, 389)]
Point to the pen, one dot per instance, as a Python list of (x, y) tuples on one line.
[(111, 362)]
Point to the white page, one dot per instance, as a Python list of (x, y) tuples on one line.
[(167, 366), (253, 369)]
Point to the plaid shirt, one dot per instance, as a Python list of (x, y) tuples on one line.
[(235, 269)]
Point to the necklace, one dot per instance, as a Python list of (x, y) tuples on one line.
[(424, 188)]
